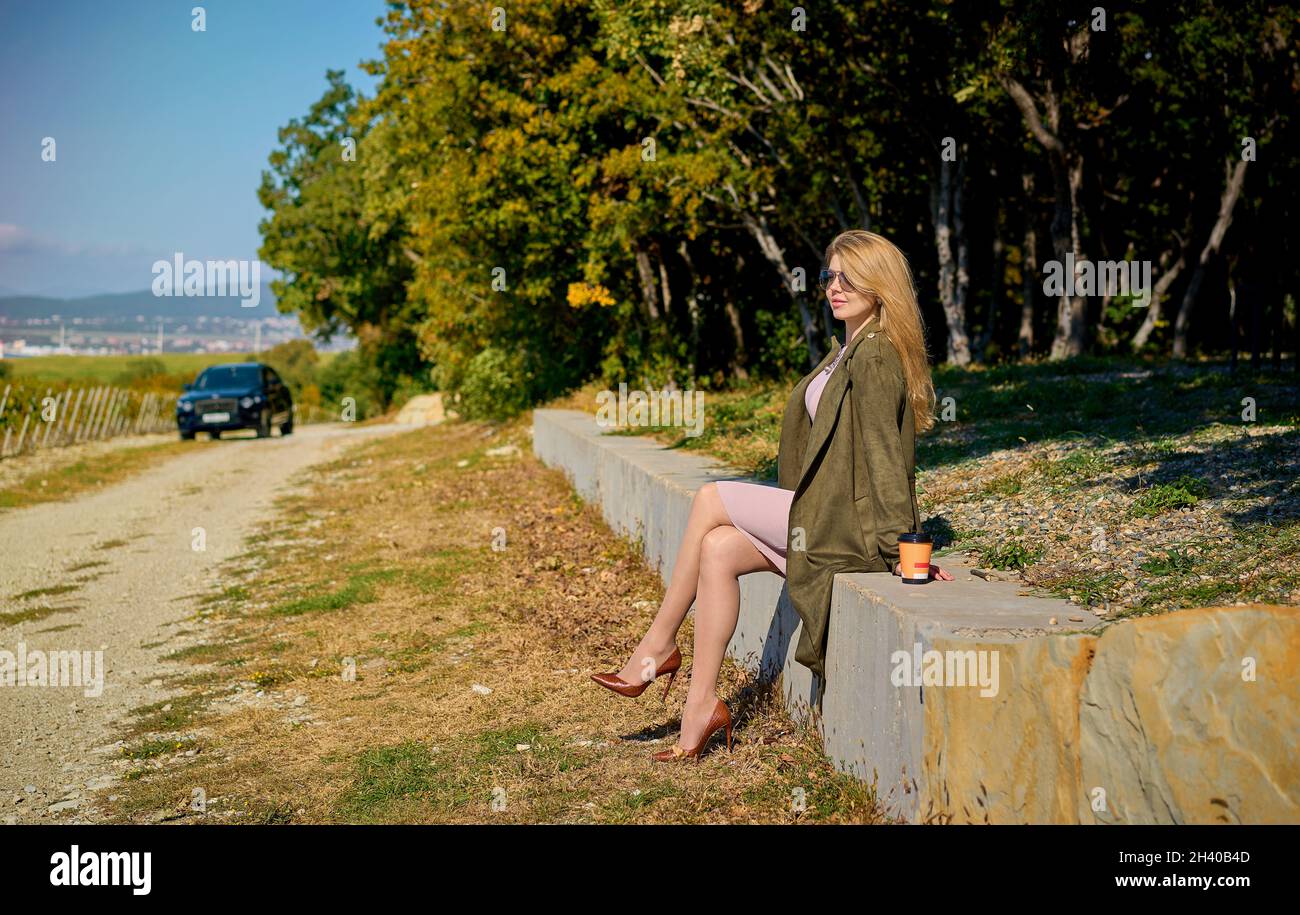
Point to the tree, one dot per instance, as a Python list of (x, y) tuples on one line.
[(343, 269)]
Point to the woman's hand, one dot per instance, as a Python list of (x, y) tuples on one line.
[(936, 573)]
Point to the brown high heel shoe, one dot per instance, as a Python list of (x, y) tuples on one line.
[(721, 718), (612, 681)]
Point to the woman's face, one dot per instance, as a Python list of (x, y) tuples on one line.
[(847, 302)]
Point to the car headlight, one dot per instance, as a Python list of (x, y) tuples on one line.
[(247, 402), (185, 406)]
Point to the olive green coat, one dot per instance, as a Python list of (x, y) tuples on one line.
[(853, 474)]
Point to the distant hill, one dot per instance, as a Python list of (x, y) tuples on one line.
[(130, 304)]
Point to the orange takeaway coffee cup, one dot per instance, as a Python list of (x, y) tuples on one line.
[(914, 558)]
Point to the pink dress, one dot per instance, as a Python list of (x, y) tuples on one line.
[(762, 512)]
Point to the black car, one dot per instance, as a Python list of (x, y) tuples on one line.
[(243, 395)]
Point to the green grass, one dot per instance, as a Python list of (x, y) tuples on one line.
[(1089, 588), (104, 369), (630, 806), (261, 814), (409, 781), (168, 715), (389, 781), (495, 747), (82, 566), (1172, 562), (148, 749), (1001, 487), (1010, 555), (1182, 493), (1210, 573), (46, 592), (234, 594), (360, 589), (72, 479), (1089, 401), (1076, 467), (203, 651), (34, 614)]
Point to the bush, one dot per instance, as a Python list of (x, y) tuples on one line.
[(149, 373), (296, 362), (350, 375), (1182, 493), (495, 385)]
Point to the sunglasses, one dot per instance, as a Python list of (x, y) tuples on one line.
[(826, 277)]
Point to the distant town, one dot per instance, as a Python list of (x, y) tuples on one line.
[(141, 324), (81, 336)]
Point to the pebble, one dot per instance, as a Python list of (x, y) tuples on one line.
[(481, 689)]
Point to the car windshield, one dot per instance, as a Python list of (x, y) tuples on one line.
[(229, 376)]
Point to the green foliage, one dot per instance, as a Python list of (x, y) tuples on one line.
[(345, 266), (1162, 497), (351, 374), (495, 385), (1010, 554), (632, 191), (149, 373), (1076, 467), (1172, 561)]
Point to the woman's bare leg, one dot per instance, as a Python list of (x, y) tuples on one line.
[(707, 513), (725, 555)]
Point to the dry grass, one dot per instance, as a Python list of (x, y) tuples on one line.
[(387, 563), (55, 475)]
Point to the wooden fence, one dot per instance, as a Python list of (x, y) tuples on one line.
[(31, 421)]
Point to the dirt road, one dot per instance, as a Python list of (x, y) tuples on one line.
[(112, 576)]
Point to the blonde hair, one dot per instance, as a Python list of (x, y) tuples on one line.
[(876, 267)]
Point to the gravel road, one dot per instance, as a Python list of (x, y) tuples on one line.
[(57, 742)]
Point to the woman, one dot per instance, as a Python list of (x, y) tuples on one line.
[(847, 439)]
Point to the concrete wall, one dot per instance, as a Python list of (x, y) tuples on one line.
[(1081, 728)]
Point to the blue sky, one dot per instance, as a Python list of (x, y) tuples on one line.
[(161, 132)]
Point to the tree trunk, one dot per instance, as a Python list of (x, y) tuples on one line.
[(998, 260), (664, 285), (1236, 176), (942, 218), (1256, 329), (1071, 310), (1275, 331), (775, 255), (1028, 271), (1168, 275), (649, 291), (738, 334), (1232, 326), (692, 303), (1067, 176), (962, 288)]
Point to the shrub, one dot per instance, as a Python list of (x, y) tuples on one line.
[(494, 385), (349, 374), (1182, 493)]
